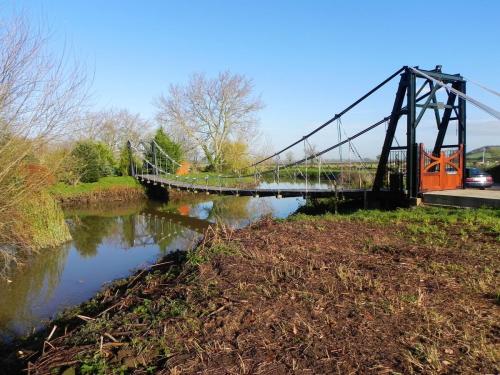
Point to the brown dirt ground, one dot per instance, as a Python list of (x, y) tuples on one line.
[(305, 297)]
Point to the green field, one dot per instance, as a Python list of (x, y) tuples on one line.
[(491, 155)]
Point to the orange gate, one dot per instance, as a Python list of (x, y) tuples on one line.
[(441, 172)]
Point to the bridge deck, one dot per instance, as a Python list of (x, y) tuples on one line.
[(261, 192)]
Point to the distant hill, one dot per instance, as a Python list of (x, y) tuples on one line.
[(491, 155)]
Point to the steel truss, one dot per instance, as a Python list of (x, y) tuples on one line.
[(416, 105)]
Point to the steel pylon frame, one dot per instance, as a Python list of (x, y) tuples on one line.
[(415, 99)]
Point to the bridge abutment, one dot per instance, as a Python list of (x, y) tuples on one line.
[(157, 192)]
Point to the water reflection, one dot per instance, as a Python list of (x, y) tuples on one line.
[(36, 282), (236, 211), (110, 241)]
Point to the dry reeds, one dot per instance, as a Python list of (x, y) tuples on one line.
[(39, 97)]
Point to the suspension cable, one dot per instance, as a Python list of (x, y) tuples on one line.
[(319, 164), (354, 149), (306, 159), (337, 116), (477, 103), (154, 167), (291, 164), (491, 91), (339, 138), (340, 143), (165, 154)]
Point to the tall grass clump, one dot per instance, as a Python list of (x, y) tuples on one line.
[(40, 96)]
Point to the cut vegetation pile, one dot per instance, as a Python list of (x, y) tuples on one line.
[(411, 291)]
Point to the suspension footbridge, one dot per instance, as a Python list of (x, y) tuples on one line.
[(164, 182), (404, 171)]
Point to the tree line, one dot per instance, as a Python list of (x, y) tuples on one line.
[(210, 122)]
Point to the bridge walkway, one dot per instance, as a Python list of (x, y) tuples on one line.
[(247, 191)]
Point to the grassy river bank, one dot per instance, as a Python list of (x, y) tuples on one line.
[(407, 291), (124, 188), (37, 222)]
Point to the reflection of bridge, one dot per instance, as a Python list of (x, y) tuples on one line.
[(192, 223), (160, 228), (404, 171)]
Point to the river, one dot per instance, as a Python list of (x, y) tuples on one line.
[(110, 242)]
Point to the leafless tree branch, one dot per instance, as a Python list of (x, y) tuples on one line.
[(207, 113)]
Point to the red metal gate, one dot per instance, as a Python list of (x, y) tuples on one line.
[(441, 172)]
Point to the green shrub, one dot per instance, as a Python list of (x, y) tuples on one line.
[(235, 156), (124, 161), (123, 167), (87, 157), (172, 149), (495, 173), (107, 164), (94, 160)]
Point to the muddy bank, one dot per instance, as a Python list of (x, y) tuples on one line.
[(304, 295), (112, 194)]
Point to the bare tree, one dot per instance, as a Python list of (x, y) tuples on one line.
[(113, 127), (289, 157), (208, 113), (40, 94), (310, 152)]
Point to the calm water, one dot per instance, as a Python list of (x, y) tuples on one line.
[(109, 243)]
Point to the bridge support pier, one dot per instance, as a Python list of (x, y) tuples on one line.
[(405, 159), (157, 193)]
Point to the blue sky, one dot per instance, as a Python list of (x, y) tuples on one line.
[(308, 59)]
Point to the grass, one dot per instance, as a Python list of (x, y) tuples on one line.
[(106, 183), (196, 258), (45, 225), (36, 223), (420, 219), (107, 189), (491, 154)]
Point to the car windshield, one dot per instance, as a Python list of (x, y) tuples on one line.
[(475, 172)]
